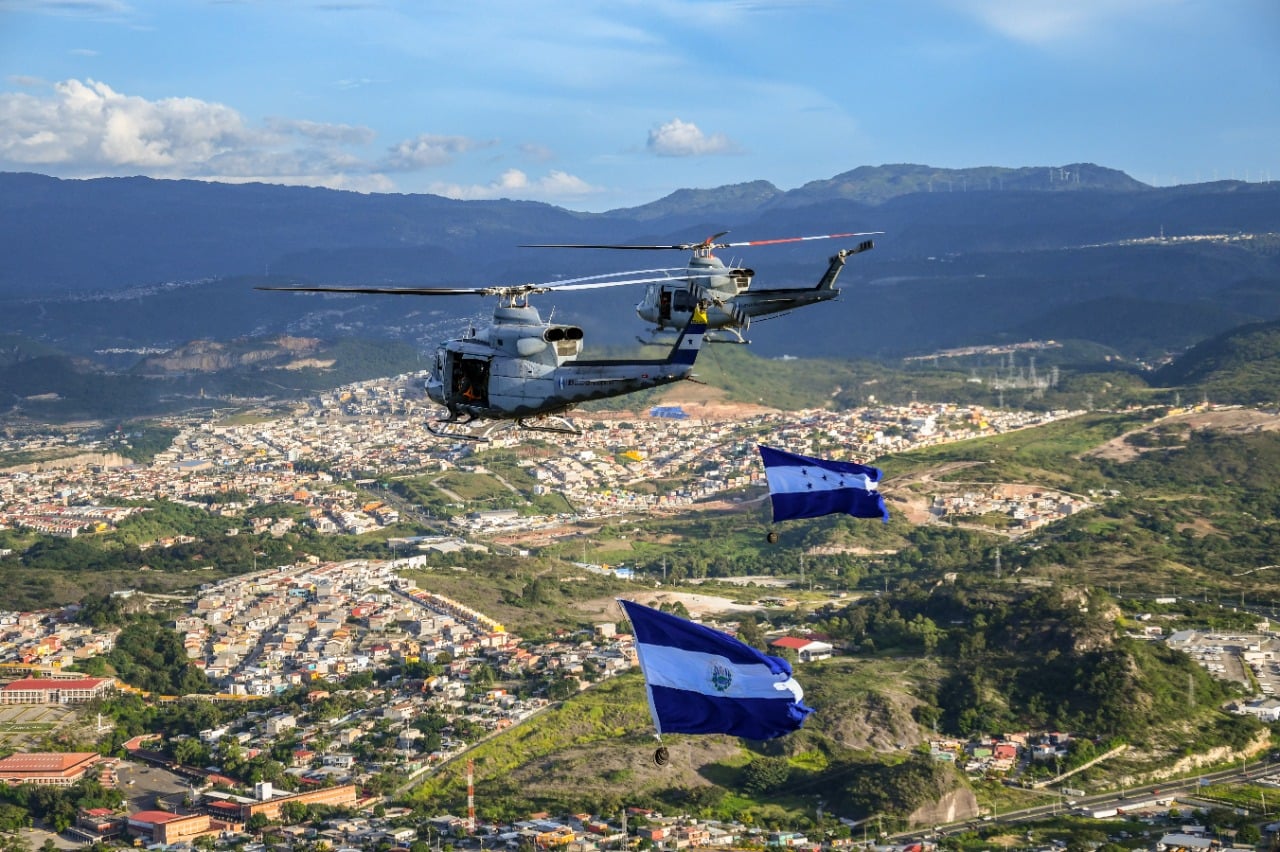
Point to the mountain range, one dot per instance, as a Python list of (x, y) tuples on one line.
[(967, 257)]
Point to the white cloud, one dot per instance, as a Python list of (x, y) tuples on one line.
[(536, 153), (98, 9), (350, 83), (342, 133), (90, 125), (514, 183), (87, 129), (359, 182), (429, 150), (1042, 22), (678, 138)]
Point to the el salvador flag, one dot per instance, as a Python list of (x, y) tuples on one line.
[(702, 681), (804, 487)]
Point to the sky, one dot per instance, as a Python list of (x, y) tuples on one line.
[(593, 105)]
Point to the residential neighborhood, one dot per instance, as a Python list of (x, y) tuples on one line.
[(395, 679), (378, 428)]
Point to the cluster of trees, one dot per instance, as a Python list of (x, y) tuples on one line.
[(56, 806), (151, 657), (898, 788), (1038, 659), (142, 442)]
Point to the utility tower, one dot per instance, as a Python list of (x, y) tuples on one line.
[(471, 796)]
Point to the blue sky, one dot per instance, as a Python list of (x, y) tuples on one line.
[(599, 104)]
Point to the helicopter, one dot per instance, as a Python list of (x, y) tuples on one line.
[(524, 370), (730, 303)]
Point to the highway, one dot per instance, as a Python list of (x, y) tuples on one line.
[(1130, 797)]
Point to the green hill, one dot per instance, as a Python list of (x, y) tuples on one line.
[(970, 658), (46, 384), (1239, 366), (937, 640)]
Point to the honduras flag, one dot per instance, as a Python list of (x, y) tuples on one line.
[(804, 487), (702, 681)]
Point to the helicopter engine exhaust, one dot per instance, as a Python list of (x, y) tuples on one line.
[(567, 339)]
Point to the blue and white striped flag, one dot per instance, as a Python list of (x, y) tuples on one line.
[(702, 681), (804, 487)]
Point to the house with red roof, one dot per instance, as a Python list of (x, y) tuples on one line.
[(806, 650), (55, 690), (58, 769)]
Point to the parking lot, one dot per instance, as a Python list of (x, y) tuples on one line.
[(143, 785)]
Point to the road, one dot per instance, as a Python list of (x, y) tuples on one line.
[(1132, 796)]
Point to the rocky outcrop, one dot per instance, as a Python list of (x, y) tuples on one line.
[(959, 804), (76, 462), (208, 356)]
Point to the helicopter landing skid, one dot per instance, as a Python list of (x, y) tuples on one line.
[(460, 428), (567, 429), (709, 337)]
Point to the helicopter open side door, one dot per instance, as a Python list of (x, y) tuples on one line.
[(674, 302), (469, 379)]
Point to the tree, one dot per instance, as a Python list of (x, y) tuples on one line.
[(293, 813), (190, 752), (482, 674), (764, 774), (749, 632), (13, 817)]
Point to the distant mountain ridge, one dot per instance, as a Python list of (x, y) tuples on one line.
[(968, 256), (878, 184)]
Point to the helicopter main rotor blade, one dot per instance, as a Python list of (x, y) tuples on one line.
[(587, 282), (681, 270), (705, 245), (684, 247), (683, 275), (793, 239), (393, 291)]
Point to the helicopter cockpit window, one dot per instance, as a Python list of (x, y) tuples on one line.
[(682, 300)]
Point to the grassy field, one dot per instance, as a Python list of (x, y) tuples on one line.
[(1046, 454)]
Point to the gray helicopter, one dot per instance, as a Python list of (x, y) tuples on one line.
[(726, 292), (525, 370)]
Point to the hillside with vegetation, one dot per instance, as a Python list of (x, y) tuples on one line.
[(935, 634), (1240, 366), (952, 626), (966, 659), (43, 384)]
